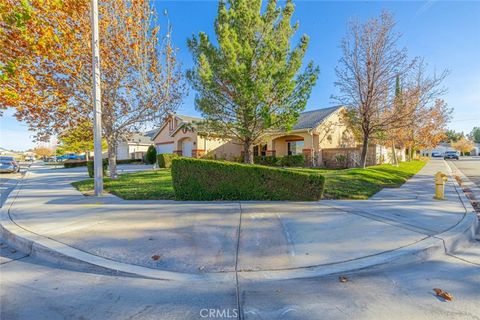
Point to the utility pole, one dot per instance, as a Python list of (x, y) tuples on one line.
[(97, 105)]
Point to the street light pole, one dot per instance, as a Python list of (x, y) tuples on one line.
[(97, 106)]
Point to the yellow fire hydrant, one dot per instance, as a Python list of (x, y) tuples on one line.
[(440, 179)]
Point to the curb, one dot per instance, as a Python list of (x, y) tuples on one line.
[(58, 253), (465, 201)]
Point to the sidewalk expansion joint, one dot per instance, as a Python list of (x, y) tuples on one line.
[(389, 221)]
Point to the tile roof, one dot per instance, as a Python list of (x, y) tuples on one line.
[(311, 119), (188, 118), (139, 138)]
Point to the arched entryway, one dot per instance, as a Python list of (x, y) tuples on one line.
[(185, 145), (288, 145)]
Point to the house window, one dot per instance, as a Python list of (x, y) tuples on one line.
[(260, 150), (170, 125), (295, 147)]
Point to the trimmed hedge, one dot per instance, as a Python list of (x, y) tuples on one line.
[(164, 160), (267, 160), (196, 179), (74, 163), (90, 168), (286, 161), (297, 160)]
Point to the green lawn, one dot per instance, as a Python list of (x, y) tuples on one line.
[(339, 184), (363, 183), (144, 185)]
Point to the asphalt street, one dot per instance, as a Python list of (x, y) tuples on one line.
[(470, 166)]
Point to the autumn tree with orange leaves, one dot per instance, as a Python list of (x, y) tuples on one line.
[(46, 67), (463, 145)]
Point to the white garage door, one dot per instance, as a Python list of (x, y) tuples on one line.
[(187, 149), (165, 148)]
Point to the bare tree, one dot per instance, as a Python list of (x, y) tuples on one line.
[(367, 73), (424, 108)]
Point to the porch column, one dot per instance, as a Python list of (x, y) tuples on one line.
[(308, 154), (270, 148), (198, 153)]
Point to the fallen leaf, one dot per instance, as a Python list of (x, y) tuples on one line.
[(342, 279), (443, 294), (155, 257)]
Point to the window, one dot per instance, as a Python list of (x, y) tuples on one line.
[(295, 147), (260, 150)]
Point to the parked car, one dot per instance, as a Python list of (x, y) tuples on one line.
[(450, 155), (436, 154), (8, 164), (30, 158)]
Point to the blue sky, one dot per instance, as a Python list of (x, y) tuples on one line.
[(445, 33)]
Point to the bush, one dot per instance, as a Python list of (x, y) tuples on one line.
[(151, 155), (267, 160), (90, 167), (74, 163), (297, 160), (196, 179), (165, 159)]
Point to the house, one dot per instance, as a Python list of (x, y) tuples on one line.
[(135, 147), (445, 146), (320, 135), (440, 149)]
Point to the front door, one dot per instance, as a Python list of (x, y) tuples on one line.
[(187, 149)]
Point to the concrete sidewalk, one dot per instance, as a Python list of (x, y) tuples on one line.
[(46, 216)]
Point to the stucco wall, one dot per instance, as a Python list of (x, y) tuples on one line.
[(220, 148), (334, 133)]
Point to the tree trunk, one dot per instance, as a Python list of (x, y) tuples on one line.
[(247, 152), (394, 154), (363, 157), (112, 158), (86, 155)]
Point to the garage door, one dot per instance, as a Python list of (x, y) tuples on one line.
[(165, 148)]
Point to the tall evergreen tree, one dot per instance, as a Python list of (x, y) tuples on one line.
[(251, 82)]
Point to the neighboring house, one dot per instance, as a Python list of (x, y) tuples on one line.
[(441, 149), (320, 135), (135, 147), (476, 150), (178, 134), (5, 152), (445, 146)]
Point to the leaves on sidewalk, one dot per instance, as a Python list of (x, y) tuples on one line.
[(443, 294), (156, 257), (343, 279)]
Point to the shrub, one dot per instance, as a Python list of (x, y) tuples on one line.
[(90, 167), (342, 160), (196, 179), (267, 160), (74, 163), (297, 160), (151, 155), (165, 159)]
